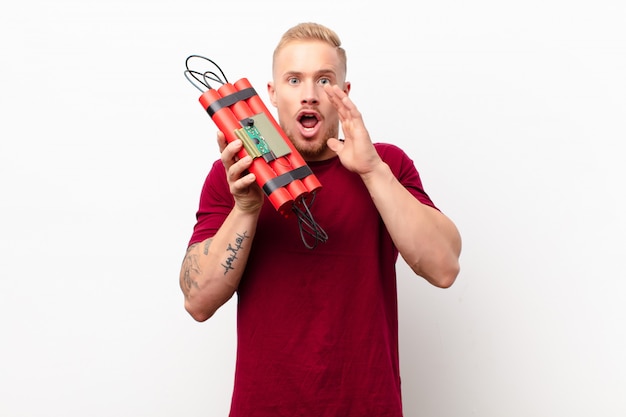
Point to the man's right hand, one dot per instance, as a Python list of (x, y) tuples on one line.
[(246, 192)]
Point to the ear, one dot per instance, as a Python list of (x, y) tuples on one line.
[(271, 91), (346, 87)]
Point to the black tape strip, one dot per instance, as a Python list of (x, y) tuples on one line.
[(230, 99), (284, 179), (269, 156)]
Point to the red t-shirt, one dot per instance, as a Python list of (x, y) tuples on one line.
[(317, 329)]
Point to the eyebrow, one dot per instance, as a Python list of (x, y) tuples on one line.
[(317, 73)]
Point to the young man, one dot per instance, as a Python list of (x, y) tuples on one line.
[(317, 329)]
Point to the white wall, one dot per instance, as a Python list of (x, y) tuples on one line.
[(514, 114)]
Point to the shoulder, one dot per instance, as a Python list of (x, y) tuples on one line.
[(404, 170), (215, 181), (217, 172), (384, 147), (393, 155), (390, 151)]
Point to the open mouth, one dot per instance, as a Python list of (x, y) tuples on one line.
[(308, 120)]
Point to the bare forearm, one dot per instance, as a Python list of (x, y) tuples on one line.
[(212, 269), (427, 240)]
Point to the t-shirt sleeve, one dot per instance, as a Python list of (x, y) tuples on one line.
[(405, 171), (216, 202)]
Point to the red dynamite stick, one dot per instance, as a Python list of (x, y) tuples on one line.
[(280, 165), (226, 121), (223, 118), (257, 106)]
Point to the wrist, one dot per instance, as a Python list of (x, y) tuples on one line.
[(248, 209), (379, 172)]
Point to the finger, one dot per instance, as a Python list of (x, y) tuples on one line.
[(240, 178), (335, 144), (242, 184), (229, 153), (239, 168), (342, 103), (221, 140), (331, 92)]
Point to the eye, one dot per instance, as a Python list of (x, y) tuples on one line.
[(324, 80), (292, 81)]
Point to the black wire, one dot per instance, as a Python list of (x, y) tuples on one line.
[(203, 77), (193, 74), (215, 77), (307, 224)]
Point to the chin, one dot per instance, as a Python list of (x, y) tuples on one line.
[(312, 148), (313, 153)]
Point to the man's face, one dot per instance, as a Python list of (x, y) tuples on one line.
[(306, 115)]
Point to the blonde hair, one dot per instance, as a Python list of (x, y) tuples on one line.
[(309, 31)]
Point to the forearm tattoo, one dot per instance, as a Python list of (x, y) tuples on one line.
[(190, 265), (233, 250)]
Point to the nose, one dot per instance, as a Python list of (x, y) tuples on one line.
[(310, 93)]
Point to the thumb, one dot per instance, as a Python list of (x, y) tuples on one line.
[(334, 144)]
